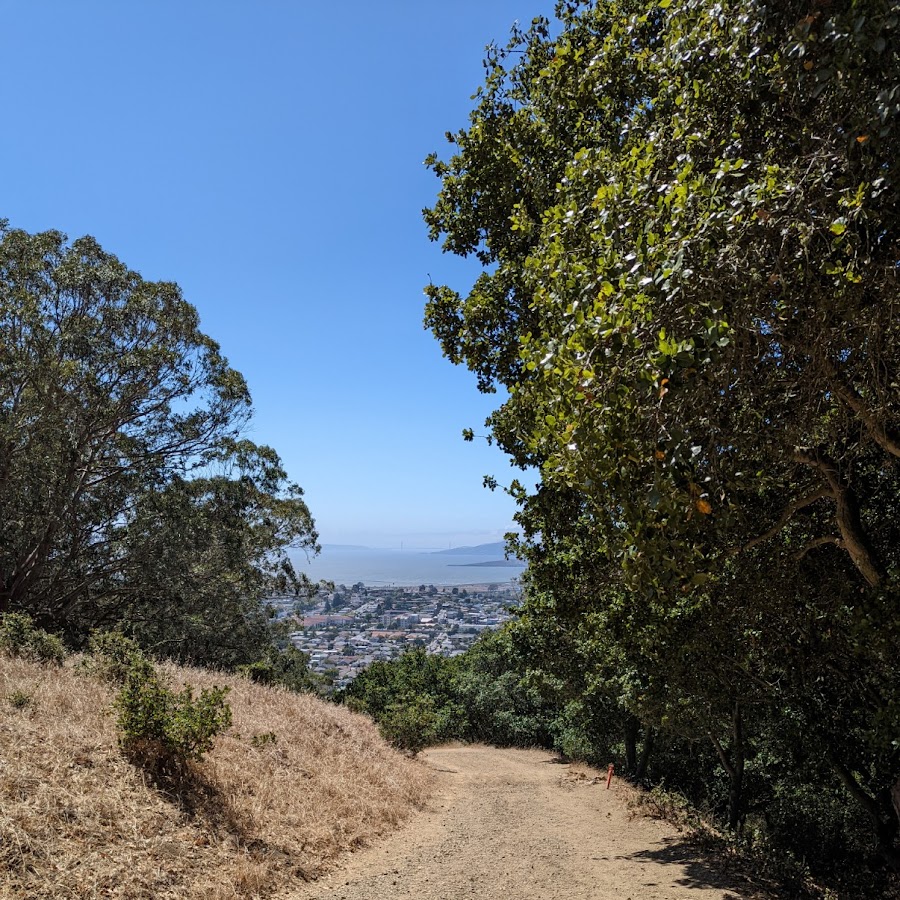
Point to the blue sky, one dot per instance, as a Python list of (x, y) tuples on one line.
[(267, 156)]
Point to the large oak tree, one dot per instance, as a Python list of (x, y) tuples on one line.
[(686, 211)]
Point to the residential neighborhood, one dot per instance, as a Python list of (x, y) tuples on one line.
[(346, 629)]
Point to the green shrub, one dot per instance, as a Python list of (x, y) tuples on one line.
[(411, 724), (264, 739), (20, 700), (287, 667), (112, 656), (160, 728), (19, 637)]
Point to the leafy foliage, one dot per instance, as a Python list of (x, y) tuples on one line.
[(20, 637), (692, 268), (129, 497), (160, 728), (288, 667), (484, 695), (111, 656), (410, 698), (687, 217)]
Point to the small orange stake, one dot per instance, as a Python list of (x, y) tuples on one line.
[(609, 776)]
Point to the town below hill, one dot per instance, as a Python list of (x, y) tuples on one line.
[(348, 628)]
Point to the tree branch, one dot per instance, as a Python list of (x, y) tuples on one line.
[(723, 756), (786, 516), (868, 803), (846, 514), (885, 439), (819, 542)]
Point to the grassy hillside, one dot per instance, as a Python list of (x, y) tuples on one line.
[(293, 783)]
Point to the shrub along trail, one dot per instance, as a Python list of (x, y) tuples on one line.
[(518, 825)]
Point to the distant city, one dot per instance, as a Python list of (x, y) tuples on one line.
[(374, 604), (353, 627)]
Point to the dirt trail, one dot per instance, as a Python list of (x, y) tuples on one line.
[(518, 825)]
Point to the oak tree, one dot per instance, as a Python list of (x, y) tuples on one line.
[(686, 212)]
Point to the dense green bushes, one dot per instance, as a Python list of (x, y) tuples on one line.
[(485, 695), (287, 667), (411, 699), (20, 637)]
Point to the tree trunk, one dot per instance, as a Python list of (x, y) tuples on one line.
[(736, 789), (632, 728), (885, 817), (733, 764), (895, 798), (646, 750)]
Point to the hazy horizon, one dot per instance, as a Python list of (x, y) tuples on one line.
[(414, 541), (349, 564), (412, 547)]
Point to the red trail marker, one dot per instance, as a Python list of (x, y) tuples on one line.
[(609, 776)]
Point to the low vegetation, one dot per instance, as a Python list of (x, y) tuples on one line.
[(20, 637), (797, 830), (292, 783)]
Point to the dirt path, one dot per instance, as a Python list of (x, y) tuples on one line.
[(518, 825)]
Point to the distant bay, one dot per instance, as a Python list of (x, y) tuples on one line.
[(377, 567), (492, 564)]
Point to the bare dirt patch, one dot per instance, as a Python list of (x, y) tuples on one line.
[(520, 825)]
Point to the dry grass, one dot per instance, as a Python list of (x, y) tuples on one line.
[(78, 821)]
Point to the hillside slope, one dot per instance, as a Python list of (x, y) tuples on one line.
[(257, 815)]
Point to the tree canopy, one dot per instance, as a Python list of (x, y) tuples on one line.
[(689, 215), (128, 494), (686, 212)]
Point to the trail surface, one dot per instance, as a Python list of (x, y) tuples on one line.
[(519, 825)]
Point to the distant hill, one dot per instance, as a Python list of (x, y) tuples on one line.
[(490, 563), (498, 548)]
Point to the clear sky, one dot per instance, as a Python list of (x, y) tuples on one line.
[(267, 156)]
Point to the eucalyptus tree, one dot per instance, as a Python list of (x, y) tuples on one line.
[(125, 483)]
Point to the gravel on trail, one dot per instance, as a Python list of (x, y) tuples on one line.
[(521, 825)]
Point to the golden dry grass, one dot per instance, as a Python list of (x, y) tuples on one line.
[(79, 821)]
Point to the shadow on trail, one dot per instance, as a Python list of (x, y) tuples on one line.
[(699, 869)]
